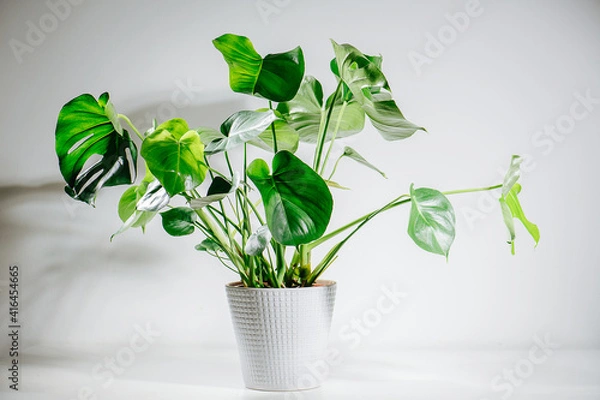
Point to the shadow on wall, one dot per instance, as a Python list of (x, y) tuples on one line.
[(62, 246)]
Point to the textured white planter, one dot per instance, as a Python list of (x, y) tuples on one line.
[(282, 334)]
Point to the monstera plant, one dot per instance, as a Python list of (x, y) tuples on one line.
[(261, 218)]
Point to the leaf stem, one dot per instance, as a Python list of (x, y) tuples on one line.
[(335, 166), (335, 131), (273, 130), (126, 119), (323, 133), (402, 199)]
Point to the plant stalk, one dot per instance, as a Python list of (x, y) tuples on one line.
[(126, 119), (405, 198)]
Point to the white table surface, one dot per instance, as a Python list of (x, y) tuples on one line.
[(213, 373)]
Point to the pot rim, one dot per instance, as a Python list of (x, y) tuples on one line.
[(323, 284)]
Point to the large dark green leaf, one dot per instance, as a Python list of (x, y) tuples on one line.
[(363, 76), (175, 156), (432, 220), (297, 201), (88, 128), (239, 128), (511, 206), (274, 77), (305, 113)]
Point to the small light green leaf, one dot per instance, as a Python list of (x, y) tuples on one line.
[(432, 220), (353, 154), (370, 88), (131, 217), (208, 245), (306, 111), (275, 77), (258, 241), (175, 156), (511, 209), (239, 128), (297, 202), (179, 221), (87, 128), (130, 212), (336, 185)]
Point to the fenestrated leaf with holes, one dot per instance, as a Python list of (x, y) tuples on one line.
[(93, 149)]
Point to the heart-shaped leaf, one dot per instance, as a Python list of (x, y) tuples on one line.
[(239, 128), (370, 88), (297, 201), (275, 77), (179, 221), (175, 156), (88, 128), (431, 223), (305, 113), (208, 244)]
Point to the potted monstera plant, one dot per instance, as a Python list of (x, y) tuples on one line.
[(262, 218)]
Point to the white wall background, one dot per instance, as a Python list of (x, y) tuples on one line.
[(514, 70)]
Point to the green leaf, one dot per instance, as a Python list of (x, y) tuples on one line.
[(511, 209), (370, 88), (154, 199), (139, 203), (275, 77), (258, 241), (432, 220), (297, 201), (346, 93), (88, 128), (218, 190), (353, 154), (239, 128), (208, 135), (175, 156), (129, 214), (336, 185), (179, 221), (208, 244), (287, 138), (306, 111), (510, 205), (512, 175)]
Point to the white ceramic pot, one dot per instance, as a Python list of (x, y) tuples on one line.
[(282, 334)]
